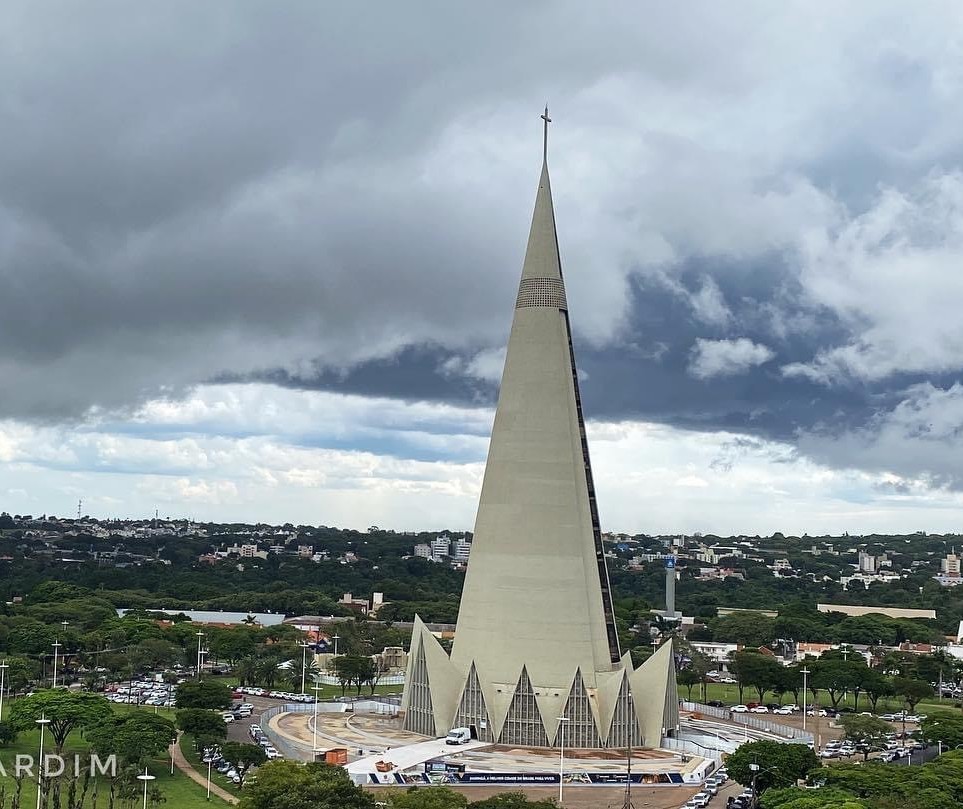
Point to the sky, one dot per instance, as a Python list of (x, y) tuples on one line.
[(258, 261)]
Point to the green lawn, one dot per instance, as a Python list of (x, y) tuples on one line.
[(178, 790)]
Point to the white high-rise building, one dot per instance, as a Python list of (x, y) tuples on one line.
[(536, 639), (441, 548), (461, 550)]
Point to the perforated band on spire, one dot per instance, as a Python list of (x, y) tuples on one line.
[(548, 292)]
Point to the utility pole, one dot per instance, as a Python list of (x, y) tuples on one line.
[(805, 672)]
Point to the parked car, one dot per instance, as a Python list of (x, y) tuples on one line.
[(740, 709), (759, 709)]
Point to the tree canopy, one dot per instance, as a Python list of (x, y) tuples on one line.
[(133, 737), (66, 710), (287, 785), (780, 764), (209, 694)]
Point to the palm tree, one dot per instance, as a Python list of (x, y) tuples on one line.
[(246, 670)]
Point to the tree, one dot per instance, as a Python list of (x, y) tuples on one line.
[(287, 785), (688, 679), (133, 737), (867, 730), (209, 694), (204, 726), (243, 757), (912, 691), (942, 727), (836, 677), (20, 671), (749, 629), (8, 733), (759, 671), (825, 798), (66, 710), (876, 687), (780, 764), (429, 798), (343, 671)]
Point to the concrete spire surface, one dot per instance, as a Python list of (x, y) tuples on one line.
[(536, 636)]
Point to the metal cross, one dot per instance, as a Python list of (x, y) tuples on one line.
[(547, 121)]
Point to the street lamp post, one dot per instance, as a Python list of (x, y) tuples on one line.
[(561, 755), (43, 722), (3, 672), (146, 779), (199, 636), (210, 761), (336, 638), (804, 673), (56, 646)]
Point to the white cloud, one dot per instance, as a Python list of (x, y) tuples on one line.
[(712, 358), (892, 276)]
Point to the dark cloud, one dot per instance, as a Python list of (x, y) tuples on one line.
[(338, 198)]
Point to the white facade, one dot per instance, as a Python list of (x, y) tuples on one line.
[(950, 565)]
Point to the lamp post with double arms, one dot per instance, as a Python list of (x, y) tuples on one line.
[(198, 670)]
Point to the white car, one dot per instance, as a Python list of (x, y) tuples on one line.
[(739, 709), (783, 711), (759, 709), (728, 680), (227, 717)]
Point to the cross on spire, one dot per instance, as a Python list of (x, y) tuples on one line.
[(547, 120)]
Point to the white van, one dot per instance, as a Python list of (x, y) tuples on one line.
[(458, 736)]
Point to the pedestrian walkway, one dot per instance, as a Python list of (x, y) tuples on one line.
[(185, 767)]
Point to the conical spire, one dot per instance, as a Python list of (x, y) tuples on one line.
[(541, 256), (536, 590), (536, 608)]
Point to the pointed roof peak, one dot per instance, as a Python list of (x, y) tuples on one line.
[(547, 120), (541, 256)]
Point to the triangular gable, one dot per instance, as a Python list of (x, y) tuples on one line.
[(581, 729), (433, 685), (473, 710), (651, 692), (523, 722), (609, 684), (416, 701), (624, 731)]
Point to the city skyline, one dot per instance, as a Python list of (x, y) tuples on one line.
[(254, 282)]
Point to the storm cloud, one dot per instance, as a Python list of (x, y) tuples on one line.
[(760, 211)]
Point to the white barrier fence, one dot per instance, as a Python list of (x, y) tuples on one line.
[(387, 679), (752, 721), (694, 748)]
